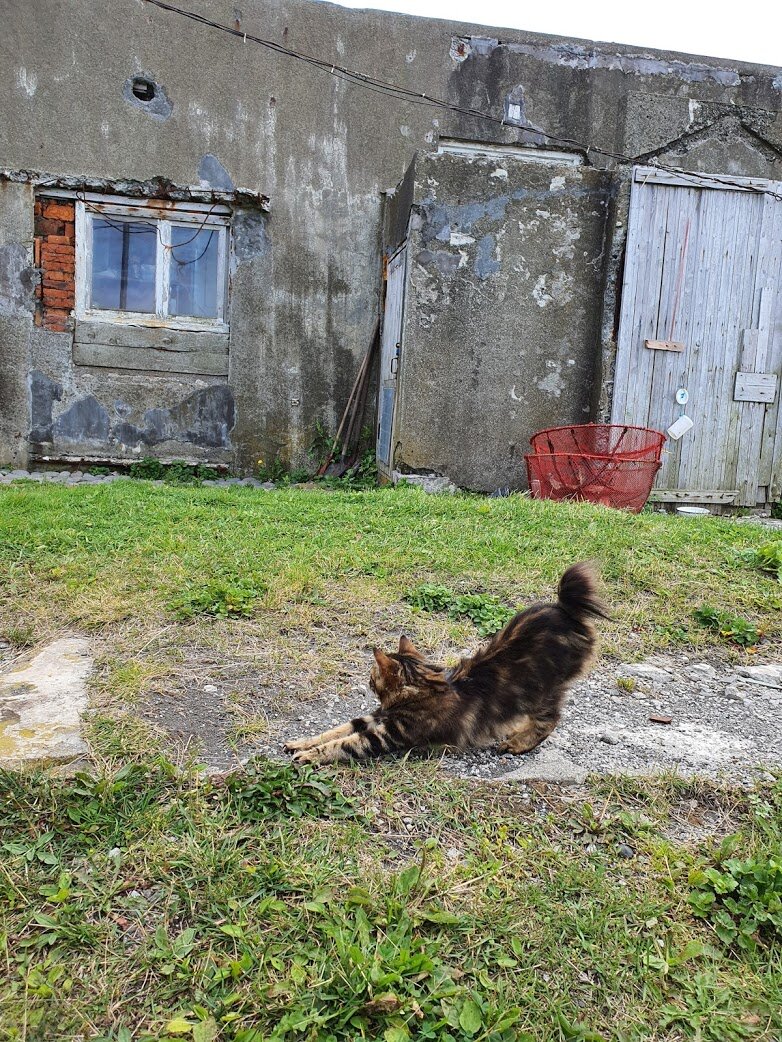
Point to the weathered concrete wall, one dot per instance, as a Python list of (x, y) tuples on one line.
[(17, 303), (506, 262), (229, 113)]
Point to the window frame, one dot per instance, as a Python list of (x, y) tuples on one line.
[(163, 214)]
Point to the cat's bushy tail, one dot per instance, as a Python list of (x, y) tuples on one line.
[(577, 593)]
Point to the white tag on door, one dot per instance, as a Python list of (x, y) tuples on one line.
[(681, 426)]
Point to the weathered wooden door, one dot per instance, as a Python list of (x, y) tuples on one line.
[(390, 348), (702, 314)]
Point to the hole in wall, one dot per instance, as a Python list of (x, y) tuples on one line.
[(143, 89)]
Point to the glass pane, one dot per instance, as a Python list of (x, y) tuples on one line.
[(193, 271), (123, 265)]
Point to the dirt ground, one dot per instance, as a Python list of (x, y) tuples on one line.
[(724, 722)]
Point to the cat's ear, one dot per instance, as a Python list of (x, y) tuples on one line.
[(385, 663), (406, 647)]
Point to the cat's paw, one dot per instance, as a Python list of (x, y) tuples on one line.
[(306, 756), (295, 745)]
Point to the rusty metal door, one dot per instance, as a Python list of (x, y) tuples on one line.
[(390, 350), (700, 332)]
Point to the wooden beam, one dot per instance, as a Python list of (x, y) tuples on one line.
[(664, 345), (684, 179), (681, 495)]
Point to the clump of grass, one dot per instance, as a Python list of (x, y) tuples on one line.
[(626, 684), (265, 791), (488, 614), (742, 896), (177, 473), (767, 558), (733, 628), (19, 636), (223, 598)]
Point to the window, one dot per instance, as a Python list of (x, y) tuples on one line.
[(150, 263)]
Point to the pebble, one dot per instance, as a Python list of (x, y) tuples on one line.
[(211, 689), (624, 851), (610, 739), (735, 694)]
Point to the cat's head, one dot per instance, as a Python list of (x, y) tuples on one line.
[(398, 675)]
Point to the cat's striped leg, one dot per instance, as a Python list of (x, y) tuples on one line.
[(526, 733), (369, 738), (320, 739)]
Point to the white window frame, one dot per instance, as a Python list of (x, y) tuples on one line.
[(163, 214)]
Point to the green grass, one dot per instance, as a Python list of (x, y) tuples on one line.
[(145, 903), (142, 556)]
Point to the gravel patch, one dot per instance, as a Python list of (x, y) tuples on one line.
[(725, 723)]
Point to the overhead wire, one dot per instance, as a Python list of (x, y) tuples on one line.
[(410, 96)]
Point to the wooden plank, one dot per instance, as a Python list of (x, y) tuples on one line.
[(651, 235), (685, 179), (107, 356), (681, 495), (668, 367), (710, 225), (755, 387), (664, 345), (622, 363), (752, 411), (92, 332), (770, 467)]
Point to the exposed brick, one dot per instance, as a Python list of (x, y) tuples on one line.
[(59, 251), (54, 298), (57, 281), (57, 209), (46, 226), (57, 322), (55, 257), (61, 265)]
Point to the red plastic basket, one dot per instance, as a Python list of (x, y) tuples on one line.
[(608, 480), (601, 439)]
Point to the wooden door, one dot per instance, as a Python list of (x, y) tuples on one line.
[(390, 348), (702, 311)]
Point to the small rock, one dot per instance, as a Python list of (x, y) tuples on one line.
[(623, 850), (210, 689), (705, 667), (610, 739), (433, 483), (659, 718), (653, 674), (735, 694), (770, 674), (268, 485)]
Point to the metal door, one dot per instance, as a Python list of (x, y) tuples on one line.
[(390, 348), (702, 311)]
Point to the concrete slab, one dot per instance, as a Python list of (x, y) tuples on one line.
[(41, 703), (547, 763)]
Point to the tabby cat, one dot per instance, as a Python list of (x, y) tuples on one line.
[(512, 689)]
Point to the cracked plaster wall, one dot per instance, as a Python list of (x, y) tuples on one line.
[(306, 287), (506, 259)]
